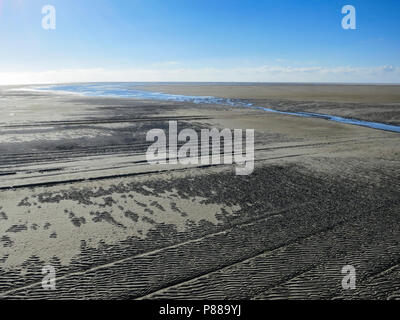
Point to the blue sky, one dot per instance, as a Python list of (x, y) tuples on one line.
[(199, 40)]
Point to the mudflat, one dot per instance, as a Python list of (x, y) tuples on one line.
[(317, 92), (380, 103), (77, 193)]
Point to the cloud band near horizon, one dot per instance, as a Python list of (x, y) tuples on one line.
[(344, 74)]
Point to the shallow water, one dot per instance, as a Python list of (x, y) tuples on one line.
[(126, 90)]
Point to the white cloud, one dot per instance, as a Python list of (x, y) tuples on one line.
[(382, 74), (165, 64)]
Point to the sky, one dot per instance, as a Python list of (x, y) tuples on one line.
[(199, 40)]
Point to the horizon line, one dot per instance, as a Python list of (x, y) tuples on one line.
[(216, 82)]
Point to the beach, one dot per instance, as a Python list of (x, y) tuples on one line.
[(77, 193)]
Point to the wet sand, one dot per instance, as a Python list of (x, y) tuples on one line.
[(295, 92), (379, 103), (77, 193)]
